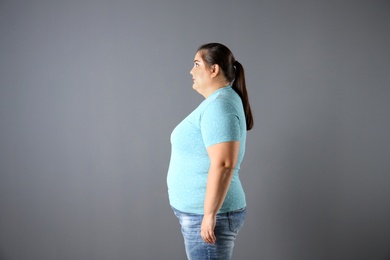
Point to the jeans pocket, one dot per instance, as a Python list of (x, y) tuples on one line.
[(236, 220)]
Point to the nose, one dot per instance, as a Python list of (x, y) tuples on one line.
[(191, 71)]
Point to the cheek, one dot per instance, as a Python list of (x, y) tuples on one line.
[(200, 75)]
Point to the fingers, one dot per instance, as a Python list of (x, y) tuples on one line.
[(209, 237), (207, 229)]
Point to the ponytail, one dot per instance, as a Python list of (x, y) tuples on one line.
[(240, 87)]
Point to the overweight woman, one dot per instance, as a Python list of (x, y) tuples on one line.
[(208, 147)]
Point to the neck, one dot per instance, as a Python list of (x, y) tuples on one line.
[(207, 92)]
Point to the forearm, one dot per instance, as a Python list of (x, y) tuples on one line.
[(223, 160), (218, 182)]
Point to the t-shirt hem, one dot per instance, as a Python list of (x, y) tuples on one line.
[(202, 212)]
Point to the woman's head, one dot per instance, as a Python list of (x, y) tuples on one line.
[(218, 54)]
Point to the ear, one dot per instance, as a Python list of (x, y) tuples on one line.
[(215, 70)]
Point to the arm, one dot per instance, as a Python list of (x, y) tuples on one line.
[(223, 160)]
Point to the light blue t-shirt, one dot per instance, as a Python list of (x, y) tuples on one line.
[(219, 118)]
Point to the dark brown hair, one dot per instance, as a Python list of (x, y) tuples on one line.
[(217, 53)]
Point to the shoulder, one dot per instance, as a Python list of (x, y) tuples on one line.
[(219, 107)]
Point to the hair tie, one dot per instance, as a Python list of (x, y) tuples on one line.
[(235, 65)]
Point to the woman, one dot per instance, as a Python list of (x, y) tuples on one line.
[(208, 146)]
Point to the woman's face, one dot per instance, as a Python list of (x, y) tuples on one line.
[(200, 74)]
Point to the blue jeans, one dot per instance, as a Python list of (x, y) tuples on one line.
[(226, 230)]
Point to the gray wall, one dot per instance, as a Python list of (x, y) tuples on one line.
[(90, 91)]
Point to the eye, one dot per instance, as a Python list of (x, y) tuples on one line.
[(196, 64)]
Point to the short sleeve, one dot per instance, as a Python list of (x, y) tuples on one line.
[(220, 123)]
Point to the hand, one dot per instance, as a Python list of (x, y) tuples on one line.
[(207, 229)]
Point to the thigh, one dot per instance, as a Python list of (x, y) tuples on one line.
[(226, 230), (190, 224)]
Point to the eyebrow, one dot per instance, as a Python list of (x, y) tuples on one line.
[(196, 61)]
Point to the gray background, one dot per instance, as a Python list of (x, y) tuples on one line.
[(90, 91)]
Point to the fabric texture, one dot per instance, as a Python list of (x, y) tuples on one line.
[(226, 230), (219, 118)]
